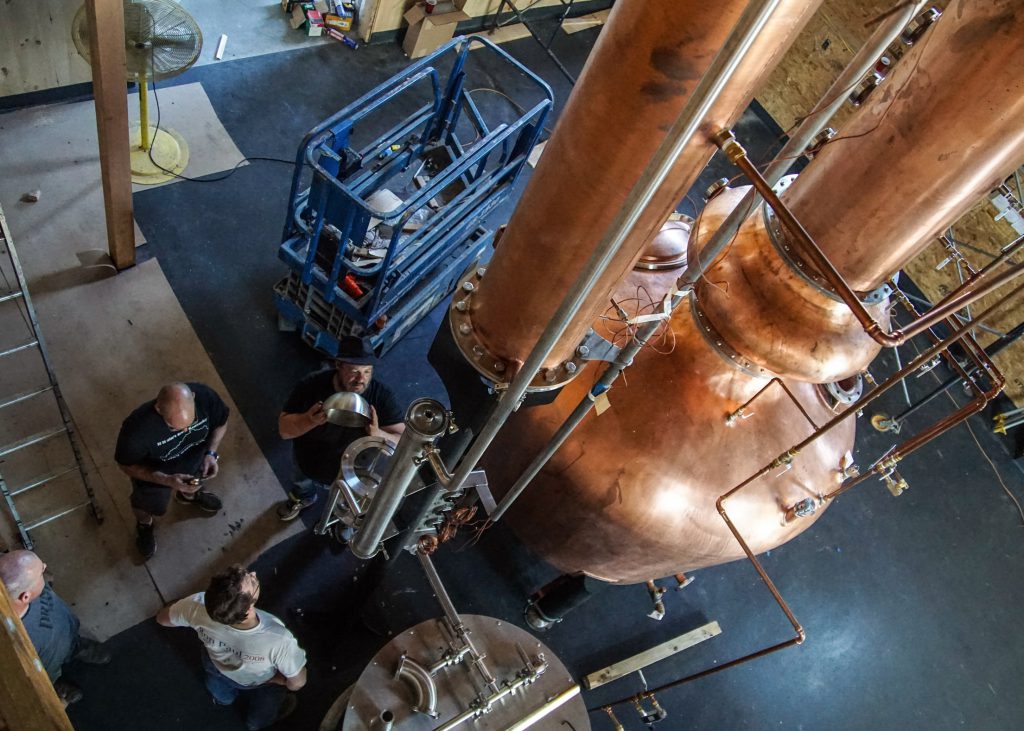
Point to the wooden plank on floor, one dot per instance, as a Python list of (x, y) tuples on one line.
[(535, 154), (651, 655), (575, 25), (506, 33), (106, 41)]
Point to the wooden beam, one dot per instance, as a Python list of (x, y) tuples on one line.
[(651, 655), (505, 33), (583, 22), (27, 698), (106, 44)]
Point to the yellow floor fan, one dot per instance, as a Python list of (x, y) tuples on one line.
[(161, 40)]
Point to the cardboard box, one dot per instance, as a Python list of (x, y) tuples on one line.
[(427, 32), (298, 18), (338, 22), (314, 23), (322, 6)]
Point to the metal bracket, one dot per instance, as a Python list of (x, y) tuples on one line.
[(595, 347)]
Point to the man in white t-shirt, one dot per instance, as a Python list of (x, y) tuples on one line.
[(248, 651)]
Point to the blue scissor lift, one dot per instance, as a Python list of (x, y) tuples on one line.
[(382, 231)]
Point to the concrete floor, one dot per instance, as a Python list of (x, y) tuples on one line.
[(910, 604), (114, 340)]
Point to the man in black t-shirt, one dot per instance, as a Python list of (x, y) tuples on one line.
[(317, 445), (170, 445)]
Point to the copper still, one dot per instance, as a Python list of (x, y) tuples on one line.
[(631, 495)]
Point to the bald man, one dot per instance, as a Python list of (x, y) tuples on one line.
[(169, 445), (48, 620)]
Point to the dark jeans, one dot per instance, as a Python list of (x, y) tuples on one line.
[(262, 701), (305, 488)]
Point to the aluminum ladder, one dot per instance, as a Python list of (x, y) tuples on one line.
[(16, 294)]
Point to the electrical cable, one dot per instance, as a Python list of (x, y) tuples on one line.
[(225, 176)]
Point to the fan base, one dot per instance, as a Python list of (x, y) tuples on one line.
[(168, 149)]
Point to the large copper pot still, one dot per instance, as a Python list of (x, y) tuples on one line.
[(631, 495)]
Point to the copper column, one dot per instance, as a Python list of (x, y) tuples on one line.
[(644, 69), (947, 125)]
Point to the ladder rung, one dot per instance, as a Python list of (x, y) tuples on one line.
[(43, 479), (11, 296), (61, 514), (19, 348), (34, 439), (11, 400)]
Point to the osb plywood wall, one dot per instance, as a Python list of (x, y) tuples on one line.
[(819, 54)]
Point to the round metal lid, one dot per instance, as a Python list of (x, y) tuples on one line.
[(378, 689), (668, 250), (427, 416)]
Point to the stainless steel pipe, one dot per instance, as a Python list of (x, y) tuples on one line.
[(425, 421)]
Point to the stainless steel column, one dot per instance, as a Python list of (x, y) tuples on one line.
[(425, 421)]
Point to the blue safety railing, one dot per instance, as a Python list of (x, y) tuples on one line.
[(360, 268)]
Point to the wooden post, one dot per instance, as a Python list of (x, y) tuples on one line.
[(28, 701), (106, 44)]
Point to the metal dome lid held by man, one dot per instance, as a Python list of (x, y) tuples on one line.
[(346, 408)]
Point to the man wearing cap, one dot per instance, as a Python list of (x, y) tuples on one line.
[(318, 445)]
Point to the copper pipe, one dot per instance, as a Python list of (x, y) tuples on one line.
[(702, 674), (781, 384), (947, 125), (969, 292), (981, 399), (914, 443), (974, 351), (640, 75), (912, 366)]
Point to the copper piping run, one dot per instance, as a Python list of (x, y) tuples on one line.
[(702, 674), (740, 413), (982, 362), (943, 425), (912, 366), (966, 294)]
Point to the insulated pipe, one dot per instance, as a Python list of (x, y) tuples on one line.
[(641, 75), (948, 124), (815, 121), (688, 124), (425, 421)]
